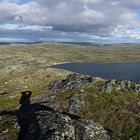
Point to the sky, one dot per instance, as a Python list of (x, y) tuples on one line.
[(95, 21)]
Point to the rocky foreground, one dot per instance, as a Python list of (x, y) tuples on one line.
[(52, 125), (39, 122), (114, 104), (84, 108)]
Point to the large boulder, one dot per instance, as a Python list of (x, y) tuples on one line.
[(52, 125)]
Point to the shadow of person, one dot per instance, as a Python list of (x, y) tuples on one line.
[(25, 100), (26, 115)]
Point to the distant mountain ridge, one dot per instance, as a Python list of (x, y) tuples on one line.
[(26, 43), (73, 43)]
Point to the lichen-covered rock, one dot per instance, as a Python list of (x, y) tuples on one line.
[(88, 130), (77, 81), (76, 102), (52, 125), (73, 81)]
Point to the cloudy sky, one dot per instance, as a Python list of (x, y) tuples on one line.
[(98, 21)]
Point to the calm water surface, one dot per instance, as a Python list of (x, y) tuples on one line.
[(120, 71)]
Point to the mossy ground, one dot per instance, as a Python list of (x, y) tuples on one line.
[(119, 113)]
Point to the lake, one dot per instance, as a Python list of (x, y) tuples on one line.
[(120, 71)]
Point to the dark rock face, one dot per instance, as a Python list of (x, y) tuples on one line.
[(52, 125), (73, 81), (77, 81)]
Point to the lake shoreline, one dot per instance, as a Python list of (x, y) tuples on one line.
[(119, 71)]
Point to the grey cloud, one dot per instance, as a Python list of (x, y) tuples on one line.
[(8, 11), (100, 17), (130, 3)]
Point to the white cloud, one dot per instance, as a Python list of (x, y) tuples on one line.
[(24, 27), (2, 39), (100, 17)]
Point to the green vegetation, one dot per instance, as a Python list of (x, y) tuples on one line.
[(117, 112), (26, 67)]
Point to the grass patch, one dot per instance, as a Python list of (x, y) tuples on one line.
[(117, 112)]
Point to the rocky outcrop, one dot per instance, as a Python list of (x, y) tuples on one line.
[(40, 122), (77, 81), (51, 125), (73, 81)]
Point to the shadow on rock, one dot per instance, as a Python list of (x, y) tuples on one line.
[(39, 122), (26, 115)]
